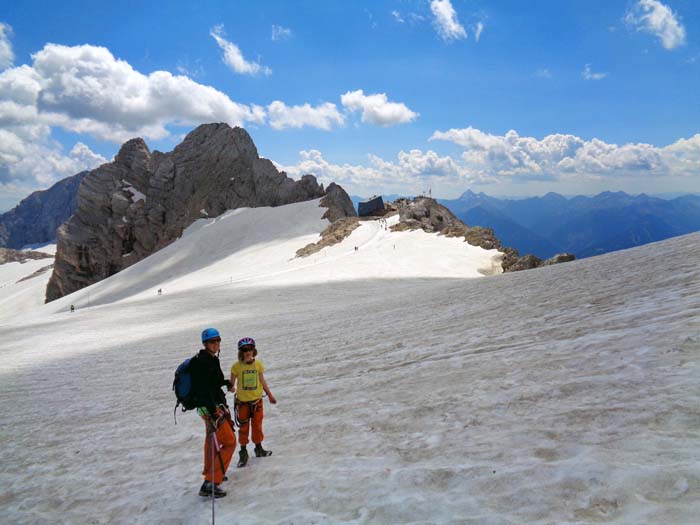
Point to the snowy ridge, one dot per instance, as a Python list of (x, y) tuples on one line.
[(566, 394), (257, 247)]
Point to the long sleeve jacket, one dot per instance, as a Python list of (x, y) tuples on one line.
[(207, 380)]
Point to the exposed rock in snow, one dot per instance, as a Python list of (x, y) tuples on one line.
[(7, 255), (334, 234)]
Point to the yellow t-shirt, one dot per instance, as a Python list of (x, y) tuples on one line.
[(248, 384)]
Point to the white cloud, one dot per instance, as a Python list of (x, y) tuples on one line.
[(30, 159), (7, 56), (376, 108), (85, 89), (233, 57), (397, 16), (411, 171), (493, 159), (587, 74), (478, 30), (543, 73), (446, 22), (324, 116), (560, 157), (657, 18), (280, 33)]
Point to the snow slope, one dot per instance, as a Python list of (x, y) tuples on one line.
[(566, 394)]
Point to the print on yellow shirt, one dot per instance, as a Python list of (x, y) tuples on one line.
[(248, 384)]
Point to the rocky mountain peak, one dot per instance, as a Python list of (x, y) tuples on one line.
[(134, 154), (142, 201)]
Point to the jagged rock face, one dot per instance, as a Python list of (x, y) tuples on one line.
[(142, 201), (36, 218)]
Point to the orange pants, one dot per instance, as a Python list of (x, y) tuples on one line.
[(256, 419), (226, 440)]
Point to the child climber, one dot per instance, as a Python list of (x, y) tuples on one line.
[(220, 440), (247, 373)]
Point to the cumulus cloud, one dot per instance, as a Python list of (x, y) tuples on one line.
[(446, 22), (561, 157), (280, 33), (411, 172), (376, 108), (85, 89), (587, 74), (30, 159), (233, 57), (324, 116), (7, 56), (491, 159), (656, 18), (397, 16)]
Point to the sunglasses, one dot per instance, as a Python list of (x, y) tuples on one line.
[(214, 341), (247, 349)]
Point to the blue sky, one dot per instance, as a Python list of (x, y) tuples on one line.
[(509, 98)]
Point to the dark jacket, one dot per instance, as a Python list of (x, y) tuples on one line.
[(207, 380)]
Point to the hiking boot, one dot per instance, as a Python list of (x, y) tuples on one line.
[(261, 452), (243, 458), (206, 490)]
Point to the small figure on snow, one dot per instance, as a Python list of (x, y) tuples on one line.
[(247, 373), (207, 380), (160, 291), (72, 308)]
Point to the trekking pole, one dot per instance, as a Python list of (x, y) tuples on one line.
[(213, 485)]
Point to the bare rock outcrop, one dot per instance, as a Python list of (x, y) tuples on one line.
[(333, 234), (142, 201), (8, 255), (426, 214), (559, 258)]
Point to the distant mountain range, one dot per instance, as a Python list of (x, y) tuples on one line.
[(584, 226), (35, 219)]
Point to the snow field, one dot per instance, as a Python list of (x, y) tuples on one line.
[(567, 394)]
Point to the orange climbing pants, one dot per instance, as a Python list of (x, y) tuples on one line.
[(255, 420), (226, 441)]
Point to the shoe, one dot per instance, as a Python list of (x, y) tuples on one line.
[(206, 490), (243, 458), (261, 452)]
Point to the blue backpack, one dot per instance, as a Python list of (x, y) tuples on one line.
[(183, 387)]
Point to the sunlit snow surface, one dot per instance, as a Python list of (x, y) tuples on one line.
[(567, 394)]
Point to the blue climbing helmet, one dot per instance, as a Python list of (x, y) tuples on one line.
[(245, 342), (210, 333)]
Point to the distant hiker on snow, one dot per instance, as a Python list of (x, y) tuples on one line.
[(220, 440), (247, 373)]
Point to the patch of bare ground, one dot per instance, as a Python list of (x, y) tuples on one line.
[(333, 234)]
